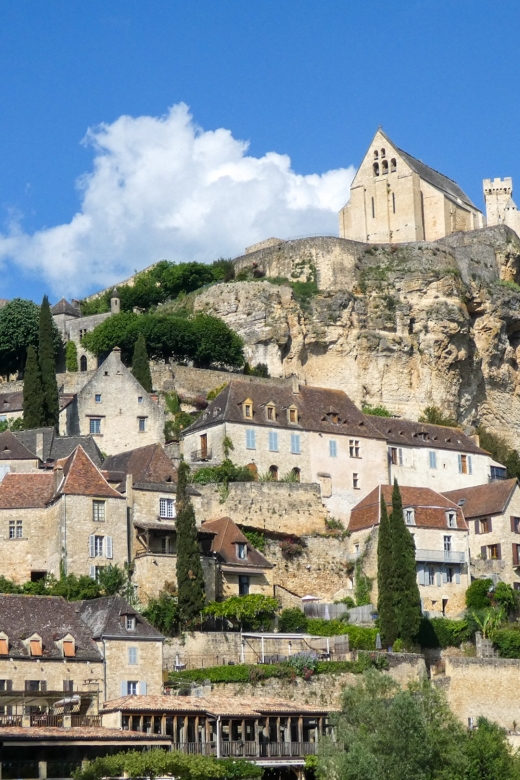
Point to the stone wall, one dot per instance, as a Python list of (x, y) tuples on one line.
[(148, 668), (278, 507), (54, 672)]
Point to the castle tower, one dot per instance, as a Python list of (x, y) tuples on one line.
[(115, 302), (497, 193)]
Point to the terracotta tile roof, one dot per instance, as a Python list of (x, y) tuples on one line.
[(227, 535), (49, 616), (430, 508), (317, 407), (490, 499), (12, 449), (83, 478), (214, 704), (415, 434), (26, 490), (76, 734), (104, 618), (147, 465)]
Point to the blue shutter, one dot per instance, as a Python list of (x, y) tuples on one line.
[(273, 441), (438, 579), (400, 457), (92, 546), (470, 465), (433, 460), (457, 577), (333, 448), (92, 572), (142, 688), (460, 463), (250, 439), (124, 688), (421, 574), (444, 577)]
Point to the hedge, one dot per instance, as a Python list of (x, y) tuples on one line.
[(507, 641), (360, 637), (442, 632)]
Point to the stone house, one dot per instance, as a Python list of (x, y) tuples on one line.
[(434, 456), (131, 647), (440, 533), (114, 408), (11, 404), (500, 206), (14, 456), (46, 647), (69, 519), (301, 433), (241, 568), (72, 326), (395, 198), (492, 512)]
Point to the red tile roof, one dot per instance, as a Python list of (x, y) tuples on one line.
[(227, 536), (429, 508), (489, 499), (215, 704), (83, 478), (26, 490)]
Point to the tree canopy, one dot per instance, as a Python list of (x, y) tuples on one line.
[(190, 579), (140, 364), (19, 329)]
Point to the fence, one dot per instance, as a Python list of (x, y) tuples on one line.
[(361, 614)]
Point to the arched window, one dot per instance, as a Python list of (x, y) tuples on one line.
[(393, 202), (385, 166), (83, 363), (376, 154), (376, 169), (383, 153), (393, 164), (373, 209), (273, 471), (296, 474)]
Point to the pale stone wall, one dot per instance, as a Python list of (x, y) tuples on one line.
[(416, 472), (501, 534), (33, 552), (145, 504), (258, 583), (153, 570), (54, 672), (279, 507), (17, 466), (118, 671)]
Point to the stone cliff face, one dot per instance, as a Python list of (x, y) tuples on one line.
[(406, 325)]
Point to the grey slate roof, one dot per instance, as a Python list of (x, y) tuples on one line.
[(12, 449), (57, 447), (148, 465), (11, 402), (104, 618), (52, 618), (64, 307), (414, 434)]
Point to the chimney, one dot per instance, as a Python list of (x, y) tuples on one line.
[(117, 353), (39, 446), (58, 477), (295, 384)]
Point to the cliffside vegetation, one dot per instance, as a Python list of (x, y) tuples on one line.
[(20, 329)]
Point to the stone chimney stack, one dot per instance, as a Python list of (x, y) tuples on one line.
[(295, 384), (58, 477), (39, 446)]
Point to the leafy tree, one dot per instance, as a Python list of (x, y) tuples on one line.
[(19, 328), (140, 364), (292, 620), (477, 595), (435, 416), (505, 597), (163, 613), (489, 753), (217, 343), (12, 425), (386, 607), (255, 610), (33, 411), (47, 361), (406, 590), (71, 356), (190, 580), (225, 473), (260, 369)]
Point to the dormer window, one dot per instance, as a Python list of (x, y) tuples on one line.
[(292, 414), (333, 418), (270, 411), (68, 646), (130, 622), (4, 643), (409, 516), (35, 645), (451, 518), (241, 551), (247, 408)]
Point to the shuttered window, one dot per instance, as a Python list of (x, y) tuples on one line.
[(3, 647), (273, 441), (250, 439), (516, 559), (295, 443), (69, 650), (36, 647), (132, 655)]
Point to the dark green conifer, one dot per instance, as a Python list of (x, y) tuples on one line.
[(33, 414), (190, 580), (385, 579), (407, 601), (140, 364), (47, 361)]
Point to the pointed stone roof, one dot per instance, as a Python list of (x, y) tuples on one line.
[(64, 307), (103, 617), (82, 478), (26, 490), (12, 449)]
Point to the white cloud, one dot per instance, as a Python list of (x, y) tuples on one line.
[(164, 188)]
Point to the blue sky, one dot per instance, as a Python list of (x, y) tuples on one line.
[(304, 82)]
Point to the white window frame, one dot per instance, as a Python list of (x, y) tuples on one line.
[(132, 687), (15, 529), (409, 516), (354, 448), (95, 426), (98, 510), (451, 519), (242, 548), (130, 622), (167, 508), (141, 424), (355, 481)]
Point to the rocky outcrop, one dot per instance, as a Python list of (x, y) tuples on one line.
[(407, 326)]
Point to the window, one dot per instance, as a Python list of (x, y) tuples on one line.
[(431, 575), (140, 399), (451, 518), (376, 173), (516, 562), (292, 414), (95, 572), (447, 544), (271, 413), (393, 202), (83, 363), (295, 443), (433, 459), (273, 471), (130, 622), (35, 646), (373, 204), (384, 166), (493, 552), (296, 474), (355, 481), (15, 529), (409, 516), (393, 165), (95, 425), (166, 545), (515, 525), (98, 511), (449, 574), (132, 656), (98, 546), (68, 686), (353, 447), (483, 526), (273, 441), (333, 448), (97, 398), (376, 154), (242, 551), (69, 651), (396, 456), (248, 409), (167, 507), (250, 439), (142, 424), (465, 464), (4, 646), (243, 585), (383, 153), (497, 472), (131, 687), (35, 685)]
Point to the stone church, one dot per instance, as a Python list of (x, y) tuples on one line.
[(395, 198)]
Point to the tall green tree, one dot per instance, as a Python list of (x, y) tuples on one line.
[(407, 600), (190, 580), (33, 413), (489, 754), (385, 579), (140, 364), (47, 361), (71, 356)]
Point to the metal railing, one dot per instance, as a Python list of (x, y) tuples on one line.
[(10, 720), (198, 455), (440, 556), (43, 719), (247, 749)]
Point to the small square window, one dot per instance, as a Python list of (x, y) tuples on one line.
[(167, 507), (142, 424), (248, 411), (131, 687), (130, 623), (271, 415), (293, 415), (140, 399), (95, 425), (242, 551), (355, 481), (98, 398), (98, 511)]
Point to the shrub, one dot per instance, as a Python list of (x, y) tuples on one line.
[(377, 411), (477, 594), (255, 610), (506, 597), (71, 356), (291, 547), (360, 637), (507, 641), (260, 370), (216, 391), (225, 473), (292, 620), (442, 632), (255, 538), (303, 662), (348, 601), (435, 416)]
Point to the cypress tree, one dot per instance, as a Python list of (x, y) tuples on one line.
[(385, 579), (190, 580), (47, 361), (71, 356), (33, 415), (407, 601), (140, 364)]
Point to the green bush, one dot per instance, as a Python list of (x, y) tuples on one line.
[(256, 538), (225, 473), (377, 411), (71, 356), (442, 632), (507, 641), (254, 610), (477, 594), (435, 416), (360, 637), (292, 620), (506, 597)]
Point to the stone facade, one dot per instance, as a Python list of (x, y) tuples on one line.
[(153, 571), (500, 206), (395, 198), (56, 674), (145, 669), (114, 408)]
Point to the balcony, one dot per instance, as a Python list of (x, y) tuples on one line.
[(248, 750), (199, 456), (440, 556)]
